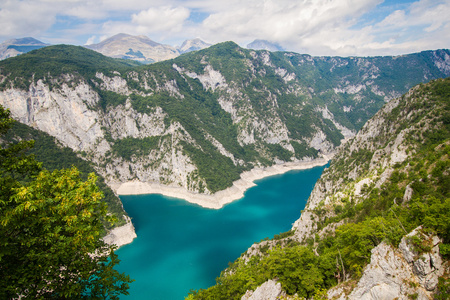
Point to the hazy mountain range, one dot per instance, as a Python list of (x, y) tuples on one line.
[(139, 48)]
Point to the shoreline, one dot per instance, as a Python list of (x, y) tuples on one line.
[(219, 199)]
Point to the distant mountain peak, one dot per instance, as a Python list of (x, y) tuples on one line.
[(124, 38), (193, 45), (264, 45), (140, 48), (14, 47)]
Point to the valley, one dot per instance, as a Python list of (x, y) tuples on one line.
[(209, 122)]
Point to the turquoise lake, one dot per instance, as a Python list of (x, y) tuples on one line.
[(182, 246)]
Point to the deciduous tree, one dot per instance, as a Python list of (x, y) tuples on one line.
[(50, 232)]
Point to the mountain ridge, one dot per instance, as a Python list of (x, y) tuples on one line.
[(218, 111)]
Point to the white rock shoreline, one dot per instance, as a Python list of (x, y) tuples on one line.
[(219, 199), (122, 235)]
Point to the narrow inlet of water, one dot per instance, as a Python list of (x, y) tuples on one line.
[(182, 246)]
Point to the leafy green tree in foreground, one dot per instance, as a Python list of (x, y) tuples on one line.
[(50, 231)]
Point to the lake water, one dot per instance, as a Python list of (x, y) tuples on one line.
[(182, 246)]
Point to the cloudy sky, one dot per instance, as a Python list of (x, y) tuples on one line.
[(317, 27)]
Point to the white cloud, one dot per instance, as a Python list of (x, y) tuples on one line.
[(318, 27), (432, 14), (158, 23), (24, 18), (397, 18), (157, 19), (421, 26), (91, 40), (288, 22)]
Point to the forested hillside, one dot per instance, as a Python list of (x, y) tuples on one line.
[(198, 121), (377, 222)]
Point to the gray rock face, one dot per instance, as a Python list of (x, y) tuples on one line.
[(62, 113), (398, 273), (66, 113), (428, 267), (269, 290), (388, 276)]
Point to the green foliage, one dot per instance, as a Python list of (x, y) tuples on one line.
[(218, 170), (228, 58), (283, 235), (297, 268), (15, 164), (51, 225), (52, 156), (129, 147), (302, 150), (108, 98), (50, 228), (278, 151), (443, 289)]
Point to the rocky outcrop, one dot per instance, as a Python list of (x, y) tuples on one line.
[(384, 143), (269, 290), (401, 273), (393, 273), (427, 266)]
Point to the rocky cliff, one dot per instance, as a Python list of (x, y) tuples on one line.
[(376, 224)]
